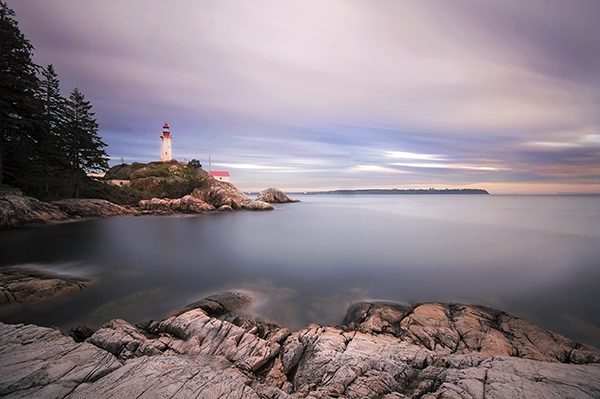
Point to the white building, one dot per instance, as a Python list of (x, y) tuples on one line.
[(165, 145), (220, 176)]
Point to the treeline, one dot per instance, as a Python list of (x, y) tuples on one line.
[(48, 143)]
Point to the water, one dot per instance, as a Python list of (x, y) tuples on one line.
[(537, 257)]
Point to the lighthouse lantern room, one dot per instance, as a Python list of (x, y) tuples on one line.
[(165, 146)]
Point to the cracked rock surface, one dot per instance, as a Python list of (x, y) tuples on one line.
[(381, 350)]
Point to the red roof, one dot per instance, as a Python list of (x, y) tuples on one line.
[(215, 173), (166, 126)]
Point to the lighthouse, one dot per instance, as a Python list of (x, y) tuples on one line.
[(165, 145)]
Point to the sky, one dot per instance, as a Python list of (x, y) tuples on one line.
[(324, 95)]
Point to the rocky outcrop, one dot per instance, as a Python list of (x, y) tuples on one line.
[(27, 285), (448, 329), (221, 193), (17, 211), (224, 195), (274, 196), (91, 208), (187, 204), (219, 304), (382, 350)]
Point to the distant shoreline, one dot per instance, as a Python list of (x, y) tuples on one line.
[(427, 191)]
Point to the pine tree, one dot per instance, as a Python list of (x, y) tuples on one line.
[(19, 108), (83, 146), (50, 154)]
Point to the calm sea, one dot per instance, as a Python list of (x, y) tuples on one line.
[(537, 257)]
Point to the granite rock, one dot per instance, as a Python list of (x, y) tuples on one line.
[(28, 285), (255, 205), (17, 211), (274, 195), (382, 350), (91, 208), (186, 204)]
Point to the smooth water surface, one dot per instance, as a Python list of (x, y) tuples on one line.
[(537, 257)]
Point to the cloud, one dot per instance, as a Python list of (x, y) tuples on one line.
[(448, 90)]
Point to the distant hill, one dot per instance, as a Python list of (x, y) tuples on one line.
[(410, 191)]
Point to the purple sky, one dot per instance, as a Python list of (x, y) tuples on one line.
[(303, 95)]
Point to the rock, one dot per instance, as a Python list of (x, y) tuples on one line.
[(383, 350), (221, 193), (171, 377), (225, 208), (43, 363), (17, 211), (119, 172), (187, 204), (82, 332), (125, 341), (28, 285), (257, 206), (463, 329), (375, 317), (91, 208), (274, 195), (219, 304)]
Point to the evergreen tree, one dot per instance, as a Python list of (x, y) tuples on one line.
[(83, 146), (19, 108), (50, 155)]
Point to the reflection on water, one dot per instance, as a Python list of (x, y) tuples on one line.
[(534, 256)]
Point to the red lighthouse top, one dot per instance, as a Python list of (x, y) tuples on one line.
[(166, 130)]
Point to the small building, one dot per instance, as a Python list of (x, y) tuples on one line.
[(118, 182), (220, 176)]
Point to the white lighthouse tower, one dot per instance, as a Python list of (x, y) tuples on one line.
[(165, 145)]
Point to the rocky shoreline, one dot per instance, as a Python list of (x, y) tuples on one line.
[(380, 350), (17, 211)]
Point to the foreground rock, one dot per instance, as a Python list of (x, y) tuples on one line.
[(27, 285), (382, 350), (274, 196)]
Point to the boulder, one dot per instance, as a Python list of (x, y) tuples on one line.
[(17, 211), (219, 303), (255, 205), (29, 285), (274, 195)]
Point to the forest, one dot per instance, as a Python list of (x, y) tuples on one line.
[(48, 143)]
